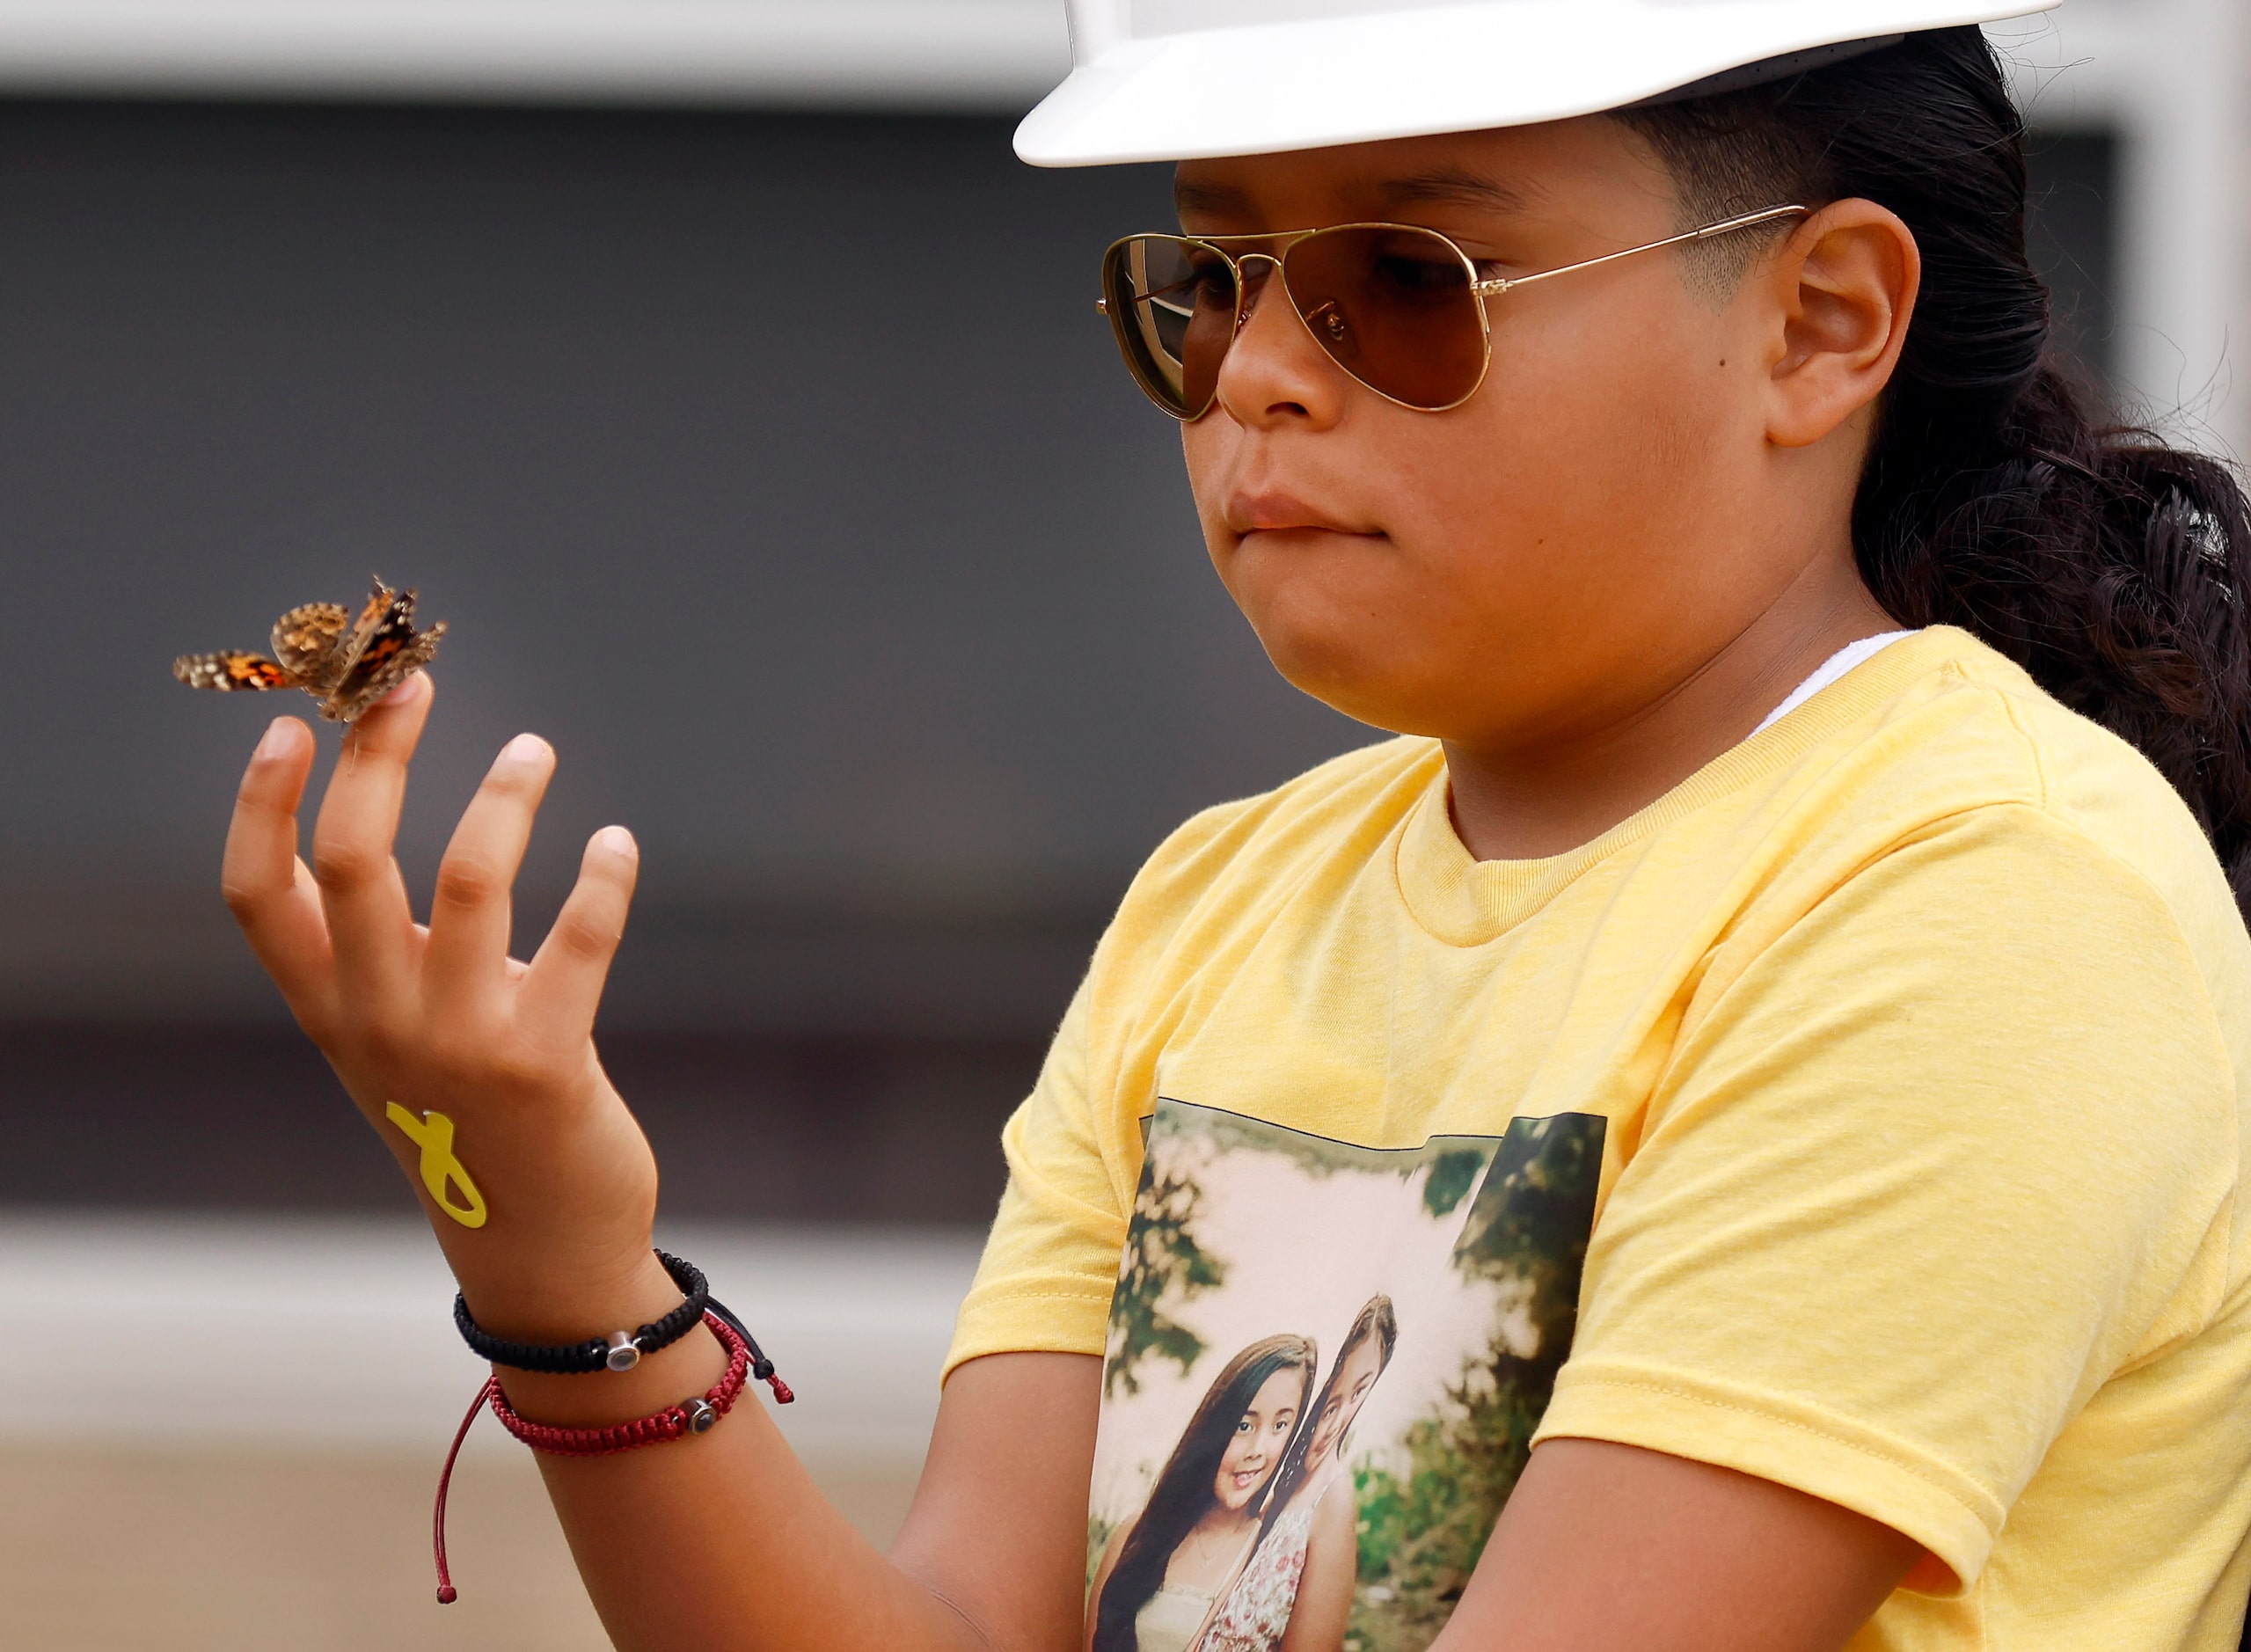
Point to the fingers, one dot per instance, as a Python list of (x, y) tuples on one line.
[(266, 886), (563, 987), (370, 925), (465, 964)]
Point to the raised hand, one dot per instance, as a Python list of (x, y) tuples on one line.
[(440, 1019)]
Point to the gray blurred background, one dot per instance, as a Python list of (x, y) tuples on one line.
[(775, 467)]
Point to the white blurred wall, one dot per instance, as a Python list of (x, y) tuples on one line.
[(981, 55), (234, 1444), (2171, 79), (335, 1334)]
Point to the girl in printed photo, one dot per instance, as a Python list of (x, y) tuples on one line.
[(1294, 1593), (1154, 1589)]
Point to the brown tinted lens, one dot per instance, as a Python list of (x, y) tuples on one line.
[(1172, 304), (1394, 306)]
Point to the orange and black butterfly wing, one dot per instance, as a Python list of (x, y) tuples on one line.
[(382, 606), (232, 670), (384, 650), (308, 642)]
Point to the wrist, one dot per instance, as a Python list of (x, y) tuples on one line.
[(695, 1414), (600, 1398), (549, 1310), (573, 1435), (620, 1350), (539, 1302)]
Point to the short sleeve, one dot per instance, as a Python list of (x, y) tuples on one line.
[(1051, 1261), (1924, 1170)]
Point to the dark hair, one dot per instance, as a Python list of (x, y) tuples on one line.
[(1378, 1321), (2108, 565), (1182, 1494)]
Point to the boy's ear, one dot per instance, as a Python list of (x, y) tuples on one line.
[(1842, 287)]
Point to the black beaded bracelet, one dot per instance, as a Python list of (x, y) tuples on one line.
[(620, 1350)]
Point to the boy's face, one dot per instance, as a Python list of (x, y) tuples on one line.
[(1605, 514)]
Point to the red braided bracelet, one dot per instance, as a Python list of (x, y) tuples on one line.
[(689, 1416)]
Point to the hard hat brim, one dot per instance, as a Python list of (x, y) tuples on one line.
[(1268, 88)]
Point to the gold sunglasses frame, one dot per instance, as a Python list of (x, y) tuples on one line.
[(1479, 289)]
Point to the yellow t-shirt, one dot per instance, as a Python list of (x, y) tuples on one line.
[(1874, 1096)]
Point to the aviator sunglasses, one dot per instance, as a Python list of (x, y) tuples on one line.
[(1399, 308)]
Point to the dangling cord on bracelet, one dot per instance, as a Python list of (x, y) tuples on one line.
[(447, 1594), (762, 1369), (746, 1361)]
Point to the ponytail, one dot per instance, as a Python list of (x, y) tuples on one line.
[(2105, 563)]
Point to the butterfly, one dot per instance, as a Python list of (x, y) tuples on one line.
[(346, 664)]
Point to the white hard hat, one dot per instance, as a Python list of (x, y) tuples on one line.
[(1164, 80)]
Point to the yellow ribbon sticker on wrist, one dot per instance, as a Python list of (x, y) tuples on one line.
[(433, 1133)]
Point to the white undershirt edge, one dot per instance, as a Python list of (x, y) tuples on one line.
[(1829, 671)]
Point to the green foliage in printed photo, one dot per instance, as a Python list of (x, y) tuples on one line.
[(1162, 1260), (1423, 1531)]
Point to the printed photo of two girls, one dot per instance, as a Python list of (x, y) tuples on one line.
[(1325, 1366)]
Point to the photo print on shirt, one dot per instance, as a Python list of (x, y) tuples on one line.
[(1325, 1362)]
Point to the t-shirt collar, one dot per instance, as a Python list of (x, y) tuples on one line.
[(1466, 902)]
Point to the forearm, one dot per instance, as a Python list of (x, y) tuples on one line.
[(715, 1541), (723, 1542)]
